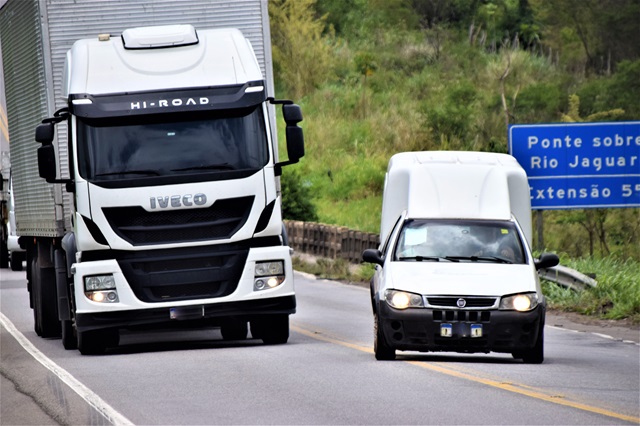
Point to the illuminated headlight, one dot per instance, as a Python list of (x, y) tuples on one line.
[(519, 302), (101, 288), (268, 275), (403, 300)]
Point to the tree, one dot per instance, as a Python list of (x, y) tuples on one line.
[(301, 51)]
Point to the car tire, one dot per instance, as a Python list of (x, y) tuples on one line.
[(536, 354), (381, 349)]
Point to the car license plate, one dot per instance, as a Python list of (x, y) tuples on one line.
[(446, 330), (476, 330)]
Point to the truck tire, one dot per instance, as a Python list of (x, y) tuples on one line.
[(16, 261), (4, 252), (96, 342), (234, 329), (381, 349), (69, 337), (272, 329), (45, 302)]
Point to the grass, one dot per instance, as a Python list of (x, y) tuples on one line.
[(617, 295)]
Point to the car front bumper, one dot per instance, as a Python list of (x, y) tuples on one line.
[(426, 330)]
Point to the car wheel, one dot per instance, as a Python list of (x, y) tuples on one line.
[(381, 349), (536, 354)]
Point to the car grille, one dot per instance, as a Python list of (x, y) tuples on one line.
[(140, 227), (470, 302)]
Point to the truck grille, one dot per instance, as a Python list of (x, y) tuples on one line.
[(212, 272), (140, 227)]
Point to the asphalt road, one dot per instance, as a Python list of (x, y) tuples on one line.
[(326, 374)]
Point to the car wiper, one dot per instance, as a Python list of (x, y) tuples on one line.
[(219, 166), (420, 258), (131, 172), (478, 258)]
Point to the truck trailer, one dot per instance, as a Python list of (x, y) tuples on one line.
[(454, 271), (146, 170)]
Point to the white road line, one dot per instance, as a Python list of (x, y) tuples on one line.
[(85, 393), (604, 336)]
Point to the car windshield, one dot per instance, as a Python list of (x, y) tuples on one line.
[(459, 241), (179, 144)]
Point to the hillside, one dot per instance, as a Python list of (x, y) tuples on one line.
[(379, 77)]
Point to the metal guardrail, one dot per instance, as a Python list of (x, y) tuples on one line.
[(567, 277)]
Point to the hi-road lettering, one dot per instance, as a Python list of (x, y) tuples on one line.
[(187, 200), (166, 103)]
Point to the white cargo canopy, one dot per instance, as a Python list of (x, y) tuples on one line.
[(217, 57), (456, 185)]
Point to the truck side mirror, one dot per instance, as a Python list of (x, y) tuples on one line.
[(295, 138), (292, 114), (44, 133), (47, 162)]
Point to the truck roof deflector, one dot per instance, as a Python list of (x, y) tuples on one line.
[(155, 37)]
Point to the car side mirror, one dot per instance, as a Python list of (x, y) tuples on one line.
[(547, 260), (372, 256)]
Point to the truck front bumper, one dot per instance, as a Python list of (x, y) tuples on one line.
[(206, 314), (427, 330)]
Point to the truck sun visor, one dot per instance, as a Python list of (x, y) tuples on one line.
[(161, 36)]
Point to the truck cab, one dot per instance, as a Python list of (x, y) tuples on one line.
[(455, 271), (173, 169)]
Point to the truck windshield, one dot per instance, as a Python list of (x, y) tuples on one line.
[(460, 241), (165, 145)]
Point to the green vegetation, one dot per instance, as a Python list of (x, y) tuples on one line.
[(616, 296), (377, 77)]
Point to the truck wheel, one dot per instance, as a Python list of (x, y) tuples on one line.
[(46, 302), (69, 337), (536, 354), (272, 329), (4, 253), (382, 350), (16, 261), (96, 342), (234, 329)]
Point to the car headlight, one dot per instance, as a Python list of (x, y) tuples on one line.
[(403, 299), (268, 275), (519, 302)]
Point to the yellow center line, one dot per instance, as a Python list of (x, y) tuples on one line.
[(509, 387)]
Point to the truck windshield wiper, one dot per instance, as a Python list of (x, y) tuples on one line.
[(478, 258), (219, 166), (131, 172)]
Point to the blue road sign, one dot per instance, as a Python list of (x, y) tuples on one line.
[(579, 165)]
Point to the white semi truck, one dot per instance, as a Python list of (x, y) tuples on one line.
[(161, 204)]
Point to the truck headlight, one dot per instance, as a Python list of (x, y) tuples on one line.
[(101, 288), (519, 302), (403, 299), (268, 275)]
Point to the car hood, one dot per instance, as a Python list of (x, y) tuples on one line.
[(478, 279)]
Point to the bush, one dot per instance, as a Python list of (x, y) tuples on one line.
[(297, 198)]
